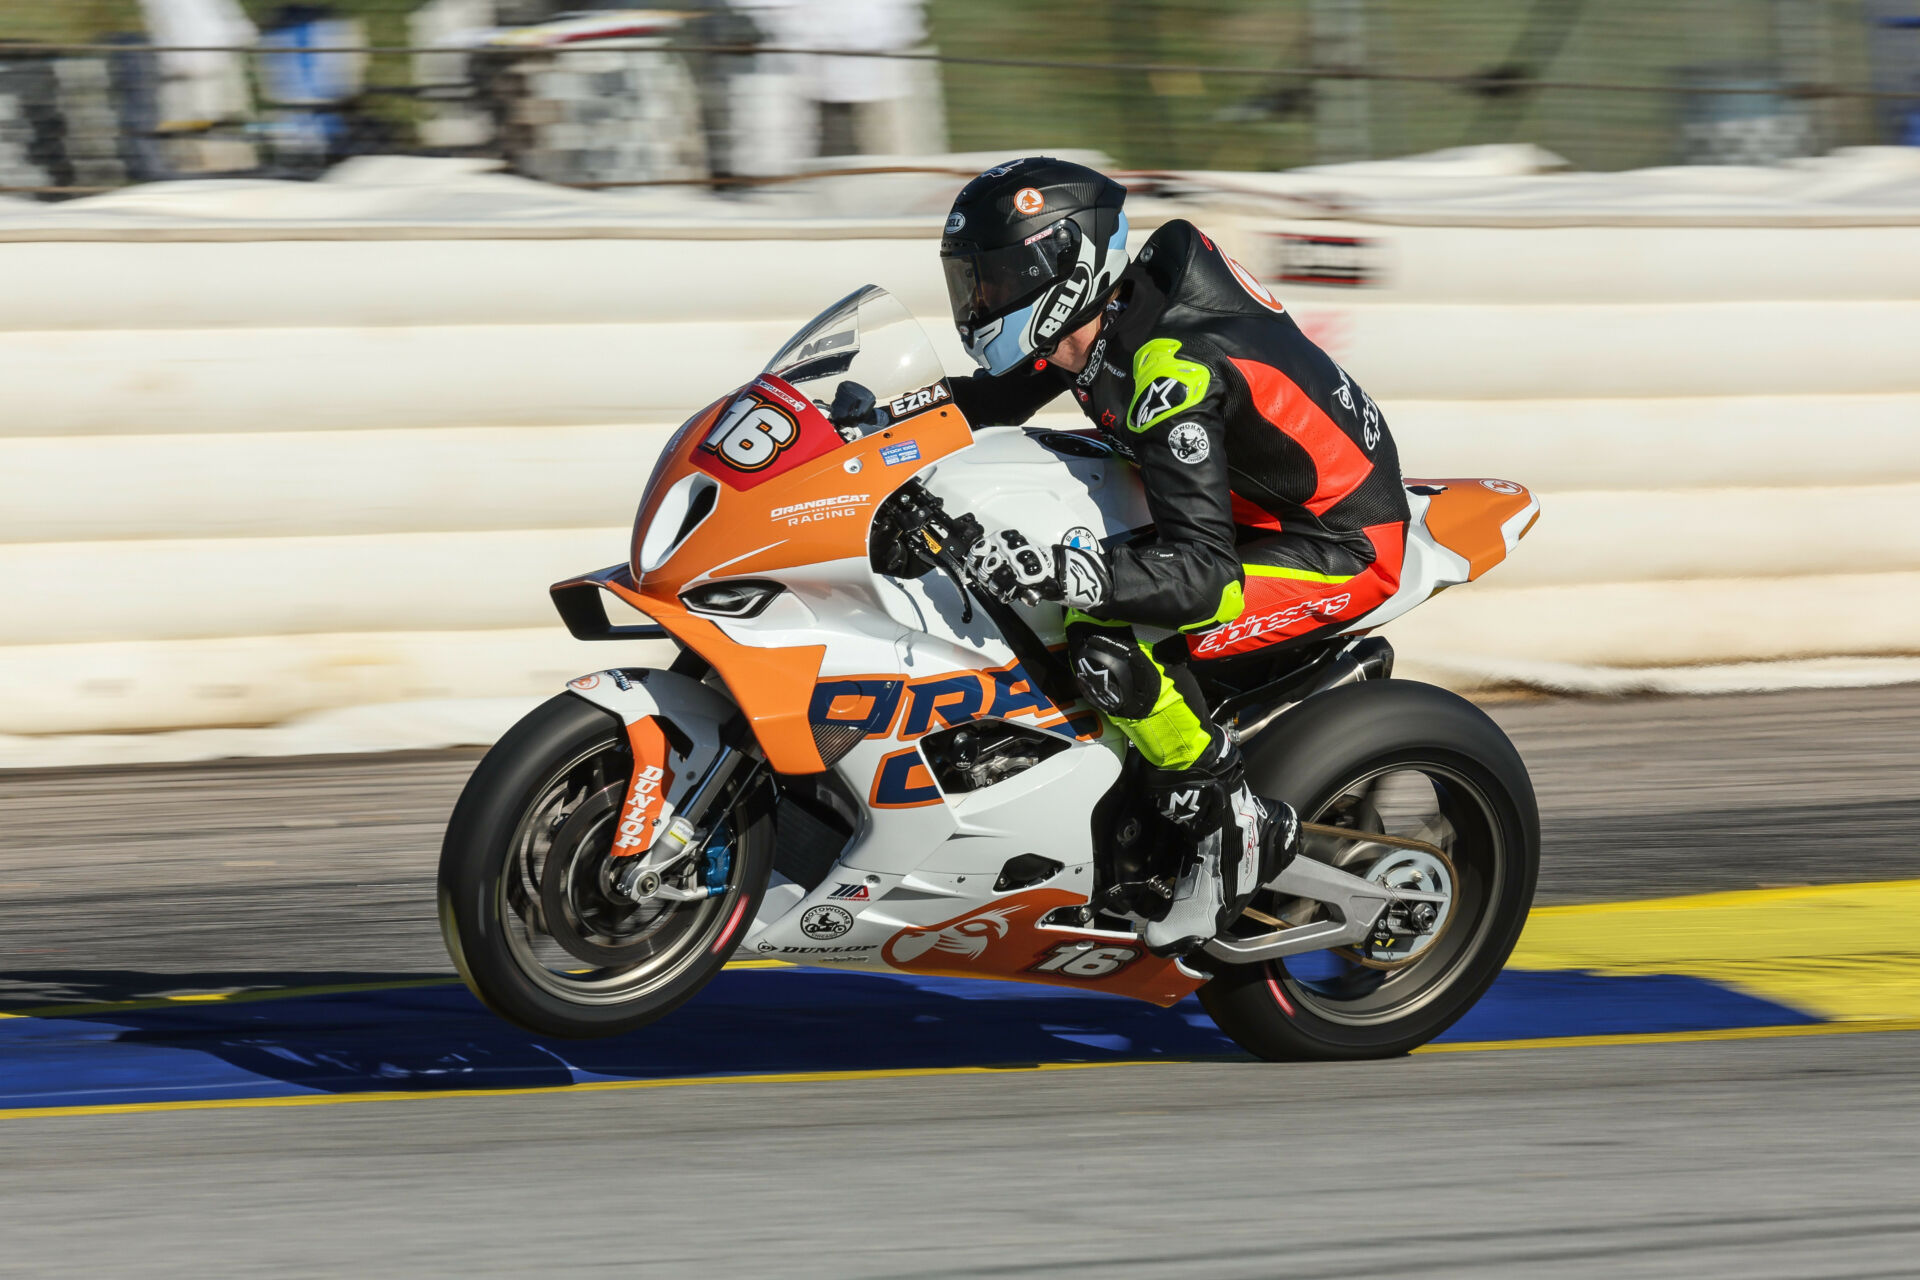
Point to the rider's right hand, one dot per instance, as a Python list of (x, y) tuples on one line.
[(1010, 568)]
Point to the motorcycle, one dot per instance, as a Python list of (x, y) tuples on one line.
[(860, 760)]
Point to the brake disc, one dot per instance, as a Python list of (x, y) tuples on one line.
[(583, 911)]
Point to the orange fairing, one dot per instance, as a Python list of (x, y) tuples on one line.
[(802, 503), (787, 495), (1467, 518), (773, 687), (1002, 939)]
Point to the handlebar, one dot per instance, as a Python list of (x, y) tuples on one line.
[(942, 540)]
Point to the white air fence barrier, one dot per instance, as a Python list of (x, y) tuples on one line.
[(258, 467)]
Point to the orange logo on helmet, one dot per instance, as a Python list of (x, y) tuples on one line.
[(1029, 201)]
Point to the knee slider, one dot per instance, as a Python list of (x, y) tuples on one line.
[(1116, 676)]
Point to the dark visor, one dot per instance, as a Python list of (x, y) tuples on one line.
[(986, 284)]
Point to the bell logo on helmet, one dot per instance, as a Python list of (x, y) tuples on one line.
[(955, 221), (1029, 201), (1066, 300)]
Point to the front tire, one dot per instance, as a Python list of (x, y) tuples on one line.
[(1336, 758), (522, 905)]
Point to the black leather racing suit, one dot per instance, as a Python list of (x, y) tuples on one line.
[(1272, 480)]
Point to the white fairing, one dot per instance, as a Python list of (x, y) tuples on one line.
[(696, 710), (1430, 568), (923, 855)]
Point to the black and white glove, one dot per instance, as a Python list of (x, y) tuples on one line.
[(1010, 568)]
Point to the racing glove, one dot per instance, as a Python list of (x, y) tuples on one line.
[(1010, 568)]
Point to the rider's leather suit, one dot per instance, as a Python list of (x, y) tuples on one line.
[(1272, 480)]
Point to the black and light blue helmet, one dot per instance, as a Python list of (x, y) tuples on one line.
[(1031, 251)]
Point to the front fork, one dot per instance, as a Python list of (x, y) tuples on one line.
[(692, 748)]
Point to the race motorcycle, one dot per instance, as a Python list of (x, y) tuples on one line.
[(861, 760)]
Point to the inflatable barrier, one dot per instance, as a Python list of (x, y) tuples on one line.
[(280, 463)]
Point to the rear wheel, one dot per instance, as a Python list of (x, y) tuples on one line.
[(1431, 772), (528, 904)]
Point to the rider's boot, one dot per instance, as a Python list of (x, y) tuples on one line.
[(1240, 842)]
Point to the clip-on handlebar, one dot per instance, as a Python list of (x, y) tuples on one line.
[(942, 541)]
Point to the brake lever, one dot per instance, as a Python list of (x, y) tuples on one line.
[(937, 553)]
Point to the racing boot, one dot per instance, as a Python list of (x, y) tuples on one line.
[(1240, 842)]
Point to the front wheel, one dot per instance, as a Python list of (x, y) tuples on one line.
[(527, 899), (1433, 773)]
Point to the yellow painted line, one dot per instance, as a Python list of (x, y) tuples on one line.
[(222, 997), (1845, 952), (277, 993), (591, 1086), (916, 1073), (1626, 1038)]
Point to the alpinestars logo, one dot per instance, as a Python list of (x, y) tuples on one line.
[(1092, 371), (1163, 395), (1316, 611)]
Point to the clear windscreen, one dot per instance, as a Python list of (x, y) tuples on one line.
[(867, 337)]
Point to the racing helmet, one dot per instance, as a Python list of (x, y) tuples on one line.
[(1031, 250)]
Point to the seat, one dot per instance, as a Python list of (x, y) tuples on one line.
[(1479, 520)]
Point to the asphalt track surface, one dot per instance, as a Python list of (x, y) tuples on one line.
[(1785, 1156)]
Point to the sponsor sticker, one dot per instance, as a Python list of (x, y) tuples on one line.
[(895, 454), (915, 401), (849, 950), (1080, 537), (1029, 201), (585, 682), (1189, 443), (1500, 486), (842, 506), (851, 892), (955, 221), (826, 922)]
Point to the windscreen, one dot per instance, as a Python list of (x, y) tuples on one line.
[(868, 338)]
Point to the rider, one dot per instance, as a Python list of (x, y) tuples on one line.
[(1274, 488)]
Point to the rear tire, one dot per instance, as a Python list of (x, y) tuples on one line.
[(485, 917), (1323, 751)]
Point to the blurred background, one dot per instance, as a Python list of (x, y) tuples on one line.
[(96, 93), (333, 333)]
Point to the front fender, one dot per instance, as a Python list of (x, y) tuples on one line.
[(631, 693), (676, 727)]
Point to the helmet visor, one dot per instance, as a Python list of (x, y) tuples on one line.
[(987, 283)]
